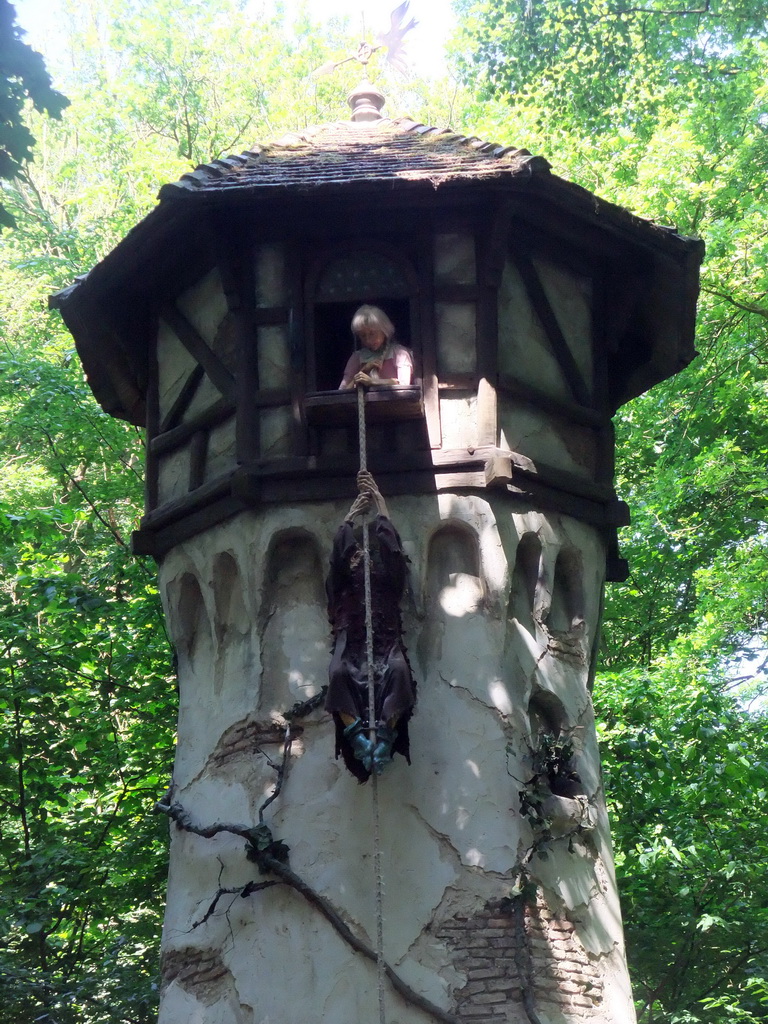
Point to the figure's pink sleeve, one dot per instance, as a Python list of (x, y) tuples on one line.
[(353, 365), (404, 364)]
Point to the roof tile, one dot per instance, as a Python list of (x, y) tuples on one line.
[(373, 151)]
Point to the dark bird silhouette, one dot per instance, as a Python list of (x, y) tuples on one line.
[(393, 39)]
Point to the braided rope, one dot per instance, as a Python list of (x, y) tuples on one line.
[(380, 963)]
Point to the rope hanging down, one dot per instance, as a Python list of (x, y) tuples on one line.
[(380, 963)]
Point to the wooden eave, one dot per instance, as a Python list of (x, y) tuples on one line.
[(143, 244)]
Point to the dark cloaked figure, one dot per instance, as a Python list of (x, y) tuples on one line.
[(395, 690)]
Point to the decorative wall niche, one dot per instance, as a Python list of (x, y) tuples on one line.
[(525, 592)]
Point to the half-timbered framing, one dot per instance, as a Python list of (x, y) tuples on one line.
[(527, 303)]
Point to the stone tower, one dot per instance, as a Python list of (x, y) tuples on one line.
[(534, 310)]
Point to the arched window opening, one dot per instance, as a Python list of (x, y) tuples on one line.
[(341, 285)]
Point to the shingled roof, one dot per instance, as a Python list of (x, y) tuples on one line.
[(386, 154), (375, 151)]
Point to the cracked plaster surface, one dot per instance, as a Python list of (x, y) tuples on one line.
[(528, 432), (452, 834), (180, 1005)]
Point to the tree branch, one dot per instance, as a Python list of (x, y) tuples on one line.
[(242, 891), (281, 770), (269, 863), (748, 307), (75, 483)]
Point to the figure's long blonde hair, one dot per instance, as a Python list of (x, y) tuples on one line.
[(372, 316)]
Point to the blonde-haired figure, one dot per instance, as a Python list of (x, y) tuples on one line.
[(380, 359)]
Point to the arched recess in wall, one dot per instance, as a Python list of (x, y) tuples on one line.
[(554, 797), (525, 597), (555, 753), (546, 715), (232, 626), (293, 623), (454, 583), (190, 625), (454, 629), (566, 612), (232, 618)]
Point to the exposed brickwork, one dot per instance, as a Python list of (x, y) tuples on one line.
[(201, 972), (246, 737), (568, 645), (564, 973), (500, 950)]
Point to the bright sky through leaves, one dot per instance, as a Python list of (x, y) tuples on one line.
[(426, 43)]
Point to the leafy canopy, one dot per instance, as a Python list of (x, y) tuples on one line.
[(592, 59), (663, 108), (22, 78)]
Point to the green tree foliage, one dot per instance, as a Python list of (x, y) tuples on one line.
[(589, 60), (663, 108), (686, 773), (23, 78), (87, 689)]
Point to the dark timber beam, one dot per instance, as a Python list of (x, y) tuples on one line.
[(215, 414), (549, 322), (426, 301), (198, 348), (198, 457), (183, 399)]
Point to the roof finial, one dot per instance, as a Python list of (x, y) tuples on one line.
[(366, 100)]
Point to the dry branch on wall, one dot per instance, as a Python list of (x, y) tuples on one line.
[(260, 850), (241, 891)]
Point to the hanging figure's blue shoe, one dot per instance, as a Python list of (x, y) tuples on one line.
[(382, 752), (361, 744)]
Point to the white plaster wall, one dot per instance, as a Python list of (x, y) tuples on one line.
[(174, 366), (173, 475), (276, 431), (205, 305), (274, 357), (528, 432), (454, 258), (221, 450), (524, 349), (570, 296), (270, 276), (458, 419), (456, 337), (245, 610)]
